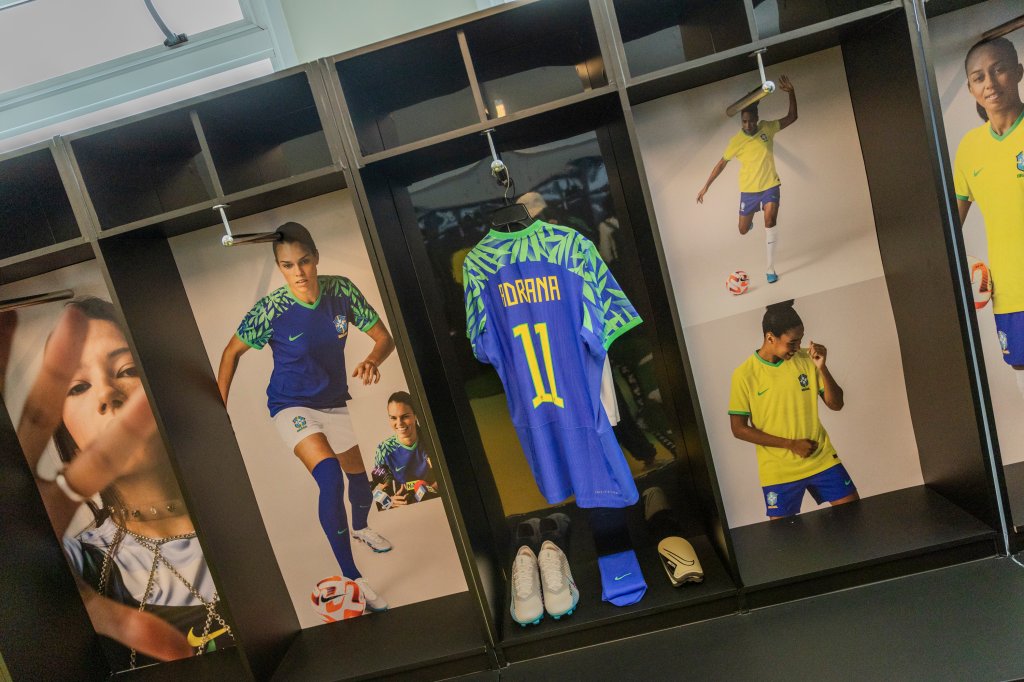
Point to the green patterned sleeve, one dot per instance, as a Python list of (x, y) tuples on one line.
[(607, 313), (476, 315), (363, 314), (256, 327)]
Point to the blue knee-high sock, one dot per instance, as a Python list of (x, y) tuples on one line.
[(360, 497), (333, 519)]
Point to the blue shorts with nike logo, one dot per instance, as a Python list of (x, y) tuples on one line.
[(752, 202), (784, 499), (1010, 327)]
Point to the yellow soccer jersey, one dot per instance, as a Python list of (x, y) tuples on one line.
[(756, 154), (781, 399), (989, 170)]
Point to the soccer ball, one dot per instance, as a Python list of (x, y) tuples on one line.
[(737, 282), (338, 598), (981, 282)]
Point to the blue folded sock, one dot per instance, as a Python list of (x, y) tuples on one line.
[(622, 583)]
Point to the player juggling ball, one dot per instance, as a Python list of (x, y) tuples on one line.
[(306, 324), (989, 170), (774, 405), (754, 146)]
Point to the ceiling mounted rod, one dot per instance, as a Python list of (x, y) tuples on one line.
[(230, 239), (36, 299), (757, 94)]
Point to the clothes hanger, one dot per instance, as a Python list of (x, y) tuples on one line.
[(511, 213)]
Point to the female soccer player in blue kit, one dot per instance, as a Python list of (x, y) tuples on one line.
[(306, 322)]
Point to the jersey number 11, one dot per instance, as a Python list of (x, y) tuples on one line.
[(522, 331)]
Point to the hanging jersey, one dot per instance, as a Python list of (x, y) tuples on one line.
[(989, 170), (404, 468), (308, 342), (543, 308), (781, 399), (756, 154)]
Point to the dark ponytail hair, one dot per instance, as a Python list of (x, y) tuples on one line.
[(1002, 45), (295, 233), (779, 318)]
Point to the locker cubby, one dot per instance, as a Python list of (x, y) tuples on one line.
[(658, 34), (34, 208), (265, 134), (773, 17), (538, 54), (407, 92), (138, 170)]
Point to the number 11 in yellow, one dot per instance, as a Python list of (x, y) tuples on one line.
[(522, 331)]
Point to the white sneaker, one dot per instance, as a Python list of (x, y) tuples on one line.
[(527, 606), (377, 542), (374, 601), (560, 593)]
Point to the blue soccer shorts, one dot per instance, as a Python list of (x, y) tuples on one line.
[(784, 499), (1010, 327), (752, 202)]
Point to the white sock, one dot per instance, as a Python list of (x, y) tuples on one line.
[(1020, 380), (770, 238)]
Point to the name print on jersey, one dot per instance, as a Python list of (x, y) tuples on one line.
[(530, 290)]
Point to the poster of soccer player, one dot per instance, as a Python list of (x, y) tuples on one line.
[(980, 89), (790, 176), (304, 356), (130, 539)]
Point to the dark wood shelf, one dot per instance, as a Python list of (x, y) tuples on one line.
[(934, 8), (264, 134), (659, 34), (535, 54), (407, 92), (431, 633), (877, 529), (34, 208), (45, 260), (150, 167), (1014, 474), (733, 62), (774, 17)]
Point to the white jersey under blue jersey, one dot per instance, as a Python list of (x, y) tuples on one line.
[(543, 308)]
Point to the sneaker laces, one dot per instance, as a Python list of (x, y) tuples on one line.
[(522, 576), (551, 570)]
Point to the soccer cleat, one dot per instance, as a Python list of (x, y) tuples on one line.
[(374, 540), (560, 593), (772, 278), (680, 561), (528, 533), (555, 528), (374, 601), (527, 604)]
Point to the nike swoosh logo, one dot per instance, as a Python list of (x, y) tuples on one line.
[(620, 577), (342, 532), (397, 469), (847, 482), (200, 641), (292, 338), (978, 171), (764, 391)]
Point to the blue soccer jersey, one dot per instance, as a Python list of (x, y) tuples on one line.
[(308, 342), (405, 463), (543, 308)]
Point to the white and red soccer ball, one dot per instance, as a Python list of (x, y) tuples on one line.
[(737, 282), (338, 598), (981, 282)]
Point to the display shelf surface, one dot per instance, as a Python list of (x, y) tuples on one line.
[(876, 529), (410, 637), (733, 62), (780, 16), (34, 207), (957, 623), (1014, 474), (226, 664), (45, 260)]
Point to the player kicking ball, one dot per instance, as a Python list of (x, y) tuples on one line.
[(989, 170), (759, 181), (774, 405)]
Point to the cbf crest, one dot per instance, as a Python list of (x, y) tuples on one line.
[(341, 326), (1004, 343), (764, 137), (1020, 161), (804, 382), (772, 499)]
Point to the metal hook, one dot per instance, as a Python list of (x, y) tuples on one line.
[(498, 168), (766, 88), (230, 239)]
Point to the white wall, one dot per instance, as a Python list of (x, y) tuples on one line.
[(320, 28), (222, 285), (828, 260), (951, 36)]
